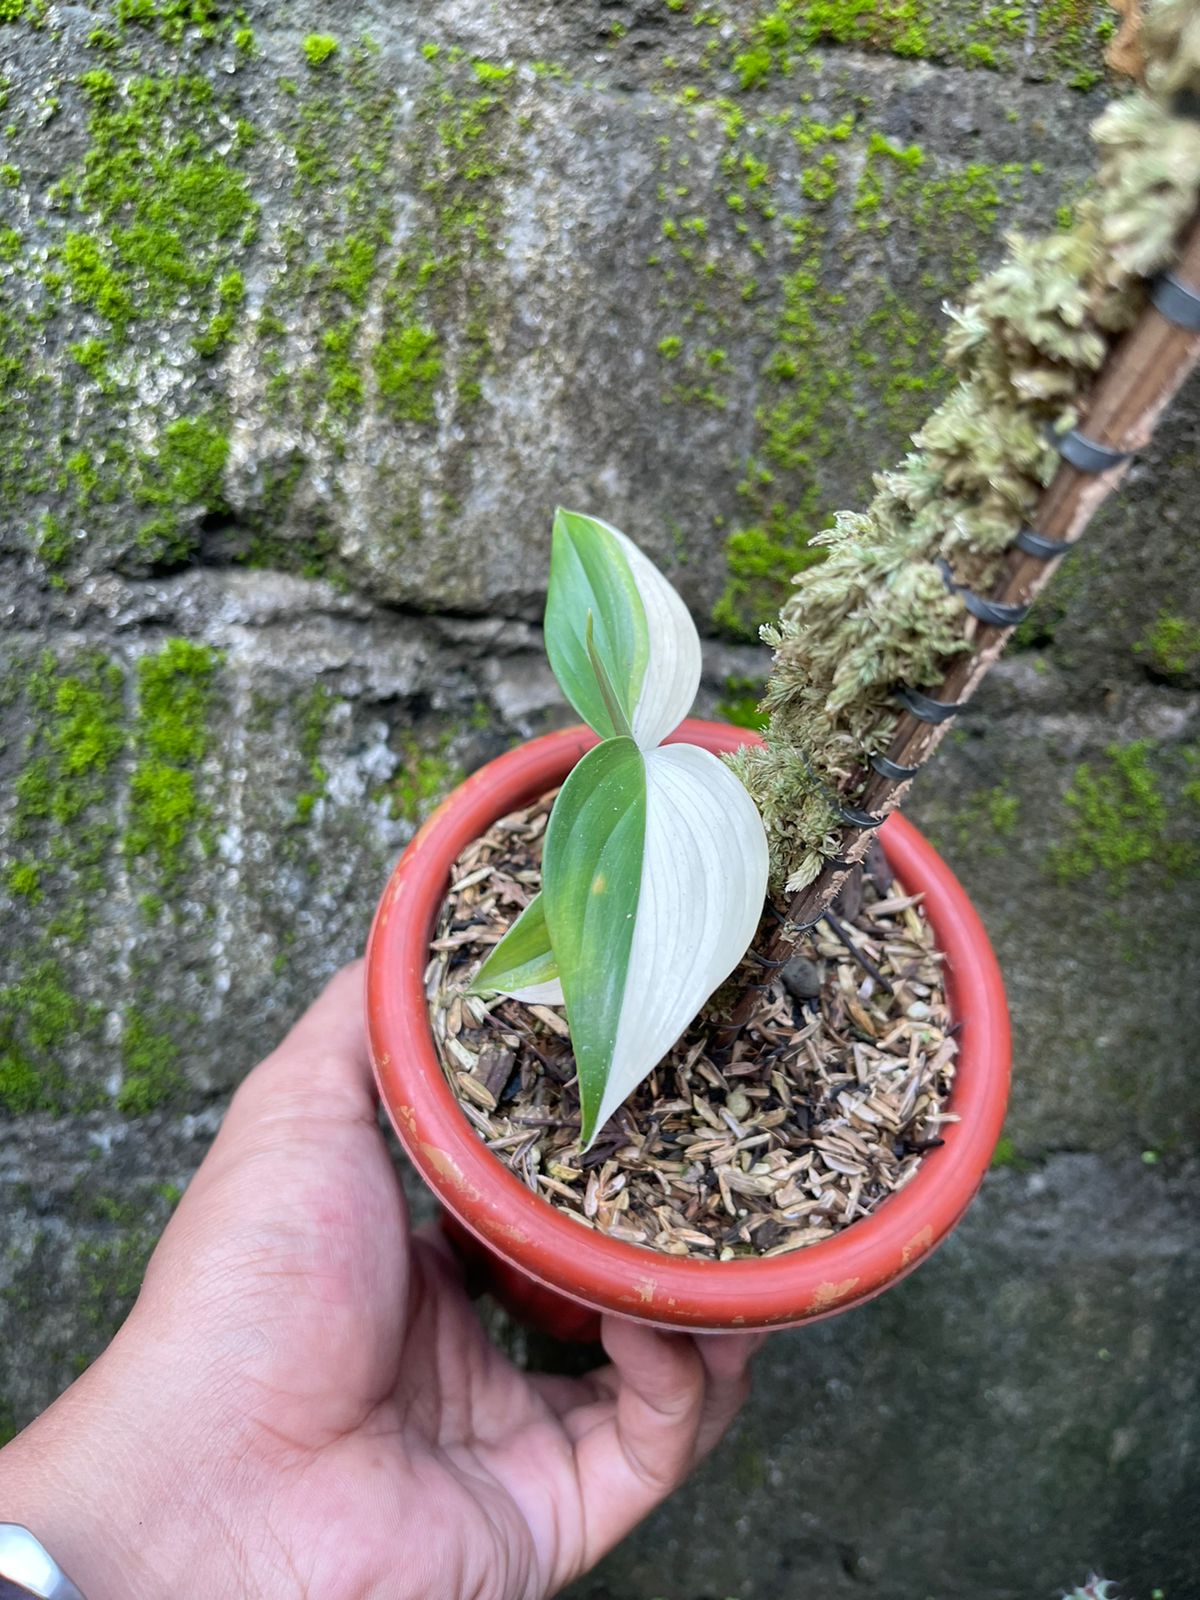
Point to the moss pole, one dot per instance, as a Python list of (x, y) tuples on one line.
[(1063, 335)]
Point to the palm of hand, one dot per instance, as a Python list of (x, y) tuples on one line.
[(361, 1436)]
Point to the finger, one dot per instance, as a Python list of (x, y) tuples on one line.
[(660, 1396), (580, 1403), (726, 1359), (632, 1450), (726, 1356)]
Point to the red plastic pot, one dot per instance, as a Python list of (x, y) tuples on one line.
[(560, 1276)]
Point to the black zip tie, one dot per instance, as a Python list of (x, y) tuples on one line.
[(766, 961), (857, 818), (1178, 302), (995, 613), (925, 708), (892, 770), (850, 815), (1087, 455), (1037, 544), (835, 864)]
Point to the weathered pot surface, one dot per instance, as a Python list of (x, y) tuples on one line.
[(560, 1276)]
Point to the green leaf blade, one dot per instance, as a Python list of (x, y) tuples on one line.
[(591, 877), (524, 958), (612, 703), (589, 572)]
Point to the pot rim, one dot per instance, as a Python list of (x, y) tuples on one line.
[(631, 1280)]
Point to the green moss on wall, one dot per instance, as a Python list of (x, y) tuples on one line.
[(844, 339), (75, 738), (341, 133), (172, 18), (95, 282), (183, 475), (57, 858), (318, 47), (1170, 647), (426, 775), (407, 366), (231, 293), (151, 1077), (739, 703), (1071, 35), (314, 713), (397, 302), (987, 822), (832, 362), (40, 1016), (1006, 1155), (169, 737), (61, 832), (146, 226), (794, 427), (1134, 812), (24, 879), (462, 150), (170, 213)]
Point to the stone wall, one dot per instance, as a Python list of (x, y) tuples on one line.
[(310, 315)]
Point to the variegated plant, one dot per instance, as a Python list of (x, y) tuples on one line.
[(654, 867)]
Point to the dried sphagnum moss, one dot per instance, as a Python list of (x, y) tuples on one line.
[(1026, 343)]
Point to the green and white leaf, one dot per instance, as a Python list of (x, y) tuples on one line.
[(654, 873), (642, 634), (654, 869), (672, 673), (591, 882), (704, 880), (590, 577), (522, 964)]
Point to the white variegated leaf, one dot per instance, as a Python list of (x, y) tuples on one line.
[(522, 965), (703, 882), (672, 673), (549, 993)]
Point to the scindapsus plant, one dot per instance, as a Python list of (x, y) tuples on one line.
[(655, 861)]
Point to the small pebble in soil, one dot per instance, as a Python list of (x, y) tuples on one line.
[(801, 979)]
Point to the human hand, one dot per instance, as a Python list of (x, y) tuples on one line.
[(303, 1403)]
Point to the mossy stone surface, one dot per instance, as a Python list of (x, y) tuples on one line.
[(299, 347)]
